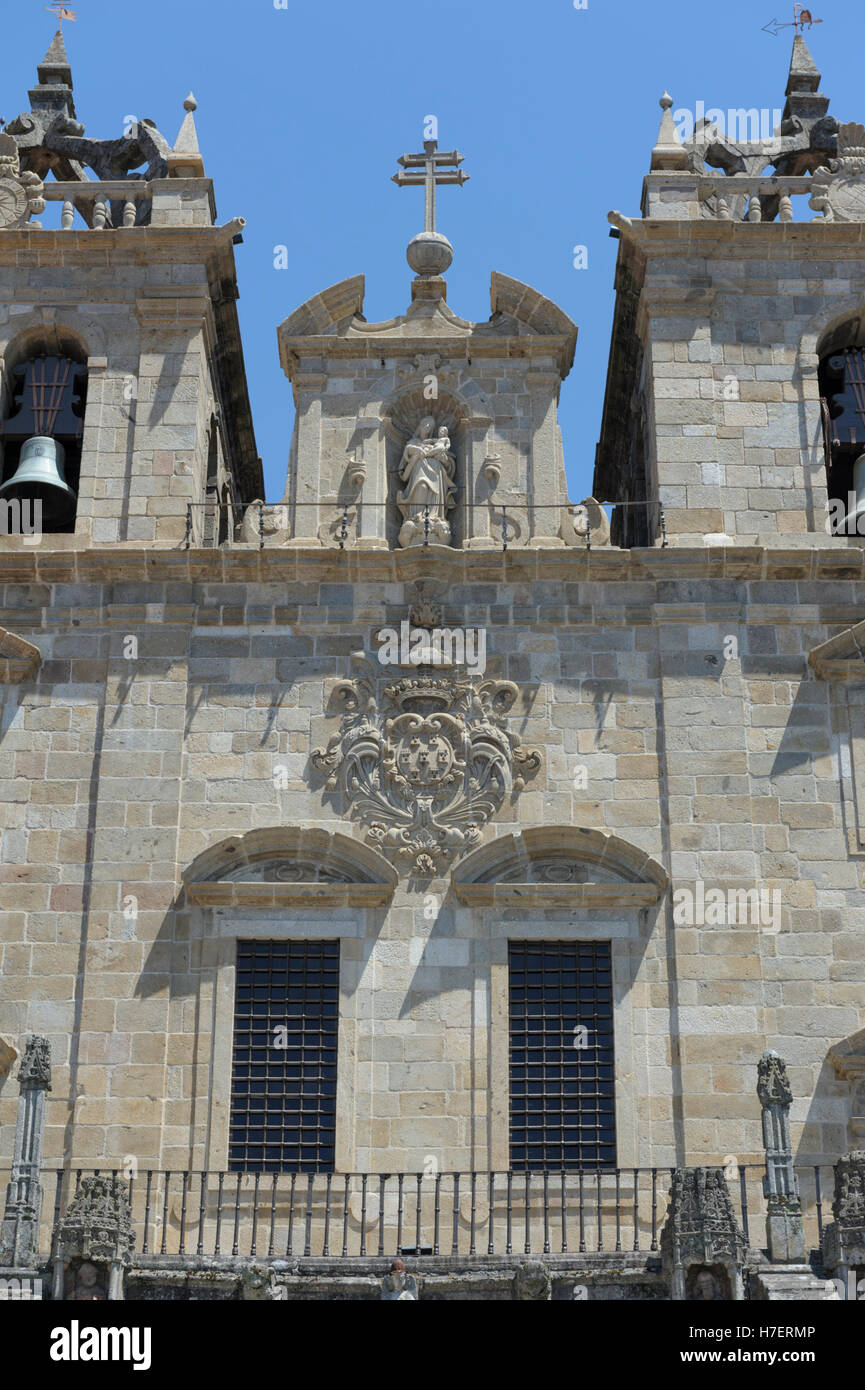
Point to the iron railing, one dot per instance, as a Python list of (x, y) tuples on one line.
[(349, 1215)]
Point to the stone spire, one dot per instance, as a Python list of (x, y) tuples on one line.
[(804, 98), (54, 76), (669, 152), (185, 161)]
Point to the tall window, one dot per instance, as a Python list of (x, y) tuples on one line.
[(283, 1094), (562, 1070)]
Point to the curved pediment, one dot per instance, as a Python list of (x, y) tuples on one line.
[(563, 866), (534, 312), (286, 866)]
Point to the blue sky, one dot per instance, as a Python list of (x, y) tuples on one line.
[(303, 111)]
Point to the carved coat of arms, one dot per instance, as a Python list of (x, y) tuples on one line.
[(20, 194), (427, 768)]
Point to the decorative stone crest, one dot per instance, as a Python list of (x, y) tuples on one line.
[(840, 195), (20, 194), (429, 767), (701, 1230)]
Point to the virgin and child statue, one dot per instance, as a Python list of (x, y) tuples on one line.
[(427, 468)]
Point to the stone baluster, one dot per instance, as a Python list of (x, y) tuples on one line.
[(723, 210), (129, 210), (19, 1234), (67, 216), (784, 1233), (755, 212), (100, 215), (785, 208)]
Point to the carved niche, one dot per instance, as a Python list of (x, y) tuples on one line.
[(427, 765)]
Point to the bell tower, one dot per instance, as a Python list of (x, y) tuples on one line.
[(124, 415), (734, 411)]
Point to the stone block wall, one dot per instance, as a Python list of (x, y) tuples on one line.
[(728, 762)]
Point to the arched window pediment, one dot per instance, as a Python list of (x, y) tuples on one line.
[(561, 866), (289, 866)]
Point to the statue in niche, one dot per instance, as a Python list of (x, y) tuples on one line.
[(427, 468)]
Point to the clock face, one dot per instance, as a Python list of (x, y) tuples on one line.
[(847, 197), (13, 202)]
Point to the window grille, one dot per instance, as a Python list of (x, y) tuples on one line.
[(283, 1095), (562, 1068)]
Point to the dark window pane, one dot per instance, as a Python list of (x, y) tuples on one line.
[(562, 1096), (291, 1089)]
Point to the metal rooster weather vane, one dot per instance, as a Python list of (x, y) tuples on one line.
[(802, 19), (62, 13)]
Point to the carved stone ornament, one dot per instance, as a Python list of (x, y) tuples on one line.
[(839, 188), (773, 1086), (429, 767), (35, 1069), (701, 1226), (97, 1225), (20, 194), (585, 522), (844, 1238)]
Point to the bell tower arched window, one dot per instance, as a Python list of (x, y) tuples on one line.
[(842, 401), (41, 429)]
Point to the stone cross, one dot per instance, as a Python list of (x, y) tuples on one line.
[(19, 1235), (431, 168), (784, 1233)]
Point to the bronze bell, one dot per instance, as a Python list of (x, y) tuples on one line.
[(39, 477)]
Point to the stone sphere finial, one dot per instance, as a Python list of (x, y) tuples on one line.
[(190, 103), (666, 101), (429, 253)]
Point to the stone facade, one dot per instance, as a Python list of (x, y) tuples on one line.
[(681, 719)]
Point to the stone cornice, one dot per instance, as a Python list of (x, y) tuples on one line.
[(20, 563), (757, 239)]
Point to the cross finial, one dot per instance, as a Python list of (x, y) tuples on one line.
[(431, 168)]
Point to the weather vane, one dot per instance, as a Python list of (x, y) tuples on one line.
[(802, 19), (62, 13)]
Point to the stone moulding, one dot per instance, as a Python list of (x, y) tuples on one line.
[(19, 660), (287, 867), (560, 866)]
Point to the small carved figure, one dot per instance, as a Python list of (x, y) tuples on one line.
[(427, 468), (399, 1286), (88, 1286)]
